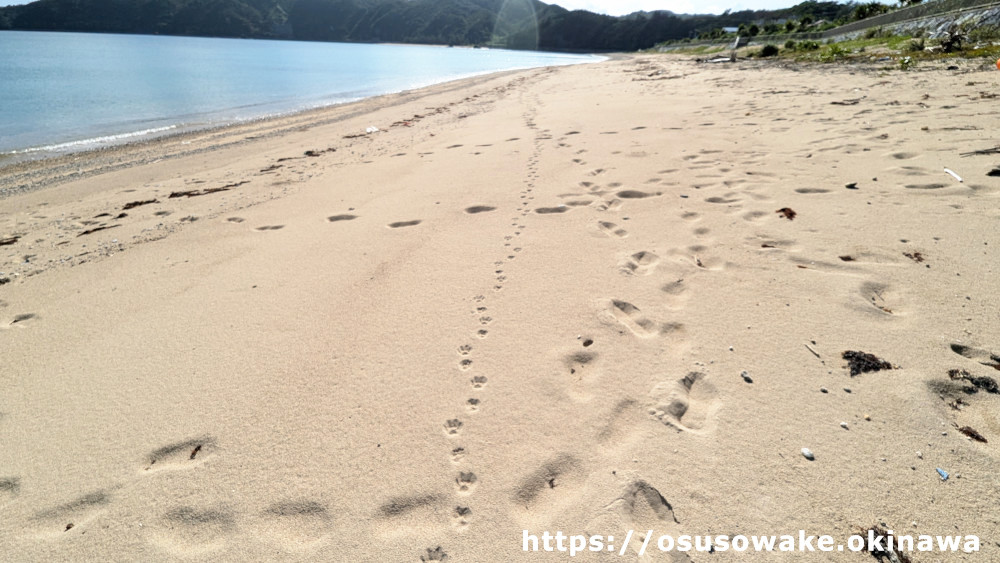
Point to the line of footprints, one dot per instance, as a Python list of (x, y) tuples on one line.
[(466, 480)]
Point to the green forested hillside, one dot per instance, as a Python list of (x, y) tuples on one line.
[(522, 24)]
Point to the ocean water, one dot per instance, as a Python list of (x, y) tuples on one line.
[(61, 92)]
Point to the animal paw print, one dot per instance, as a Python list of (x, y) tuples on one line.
[(479, 381), (464, 349), (466, 482), (453, 427), (436, 554), (461, 517)]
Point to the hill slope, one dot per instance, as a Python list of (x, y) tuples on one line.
[(522, 24)]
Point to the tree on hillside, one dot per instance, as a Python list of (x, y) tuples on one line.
[(870, 9)]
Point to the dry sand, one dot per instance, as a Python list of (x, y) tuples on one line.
[(525, 303)]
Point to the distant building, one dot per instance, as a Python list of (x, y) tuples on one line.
[(730, 29)]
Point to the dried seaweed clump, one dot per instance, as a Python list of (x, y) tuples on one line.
[(972, 433), (979, 383), (880, 549), (860, 362), (787, 213)]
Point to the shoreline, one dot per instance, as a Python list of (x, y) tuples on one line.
[(87, 138), (133, 152)]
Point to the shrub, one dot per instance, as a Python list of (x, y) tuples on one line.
[(915, 45), (984, 33), (953, 39), (790, 45), (871, 9), (874, 33), (808, 46), (769, 50), (833, 52)]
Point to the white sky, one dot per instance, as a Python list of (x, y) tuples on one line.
[(620, 7)]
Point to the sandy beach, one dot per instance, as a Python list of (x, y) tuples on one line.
[(590, 299)]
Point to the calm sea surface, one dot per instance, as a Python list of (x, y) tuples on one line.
[(61, 92)]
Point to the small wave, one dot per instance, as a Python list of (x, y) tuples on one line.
[(107, 139)]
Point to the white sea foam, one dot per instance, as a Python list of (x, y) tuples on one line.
[(93, 142)]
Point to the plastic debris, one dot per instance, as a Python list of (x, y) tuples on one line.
[(372, 129), (952, 173), (943, 474)]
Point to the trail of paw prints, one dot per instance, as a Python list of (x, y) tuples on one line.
[(466, 480)]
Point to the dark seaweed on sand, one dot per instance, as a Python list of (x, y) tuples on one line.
[(8, 241), (971, 433), (994, 150), (860, 362), (787, 213), (134, 204), (96, 229), (983, 383), (883, 552)]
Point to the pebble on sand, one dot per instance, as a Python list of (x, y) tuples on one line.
[(807, 453)]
